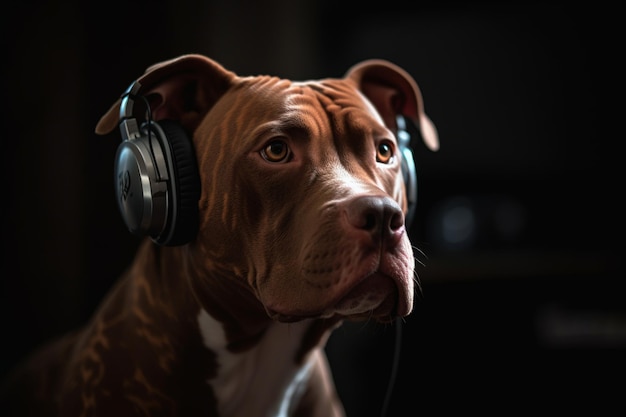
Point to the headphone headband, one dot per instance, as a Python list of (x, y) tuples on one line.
[(128, 123)]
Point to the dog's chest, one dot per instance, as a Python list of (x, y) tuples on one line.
[(265, 377)]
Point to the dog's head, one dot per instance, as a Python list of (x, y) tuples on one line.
[(301, 195)]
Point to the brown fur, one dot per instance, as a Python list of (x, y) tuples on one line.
[(277, 244)]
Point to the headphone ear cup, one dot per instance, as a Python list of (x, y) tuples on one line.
[(141, 195), (410, 183), (184, 191), (406, 129)]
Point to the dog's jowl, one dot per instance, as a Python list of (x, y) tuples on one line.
[(273, 210)]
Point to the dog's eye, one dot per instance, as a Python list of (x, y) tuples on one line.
[(384, 152), (276, 151)]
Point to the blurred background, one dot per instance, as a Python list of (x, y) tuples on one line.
[(520, 215)]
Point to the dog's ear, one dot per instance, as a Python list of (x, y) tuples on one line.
[(393, 91), (181, 89)]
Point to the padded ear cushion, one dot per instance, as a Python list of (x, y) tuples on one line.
[(407, 130), (184, 171)]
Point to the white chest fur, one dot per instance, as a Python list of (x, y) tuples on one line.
[(261, 381)]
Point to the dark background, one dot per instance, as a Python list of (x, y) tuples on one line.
[(520, 215)]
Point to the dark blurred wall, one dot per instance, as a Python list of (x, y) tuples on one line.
[(519, 219)]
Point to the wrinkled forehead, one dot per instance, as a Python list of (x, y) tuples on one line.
[(338, 95), (303, 103)]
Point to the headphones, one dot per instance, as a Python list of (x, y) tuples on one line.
[(406, 130), (157, 183)]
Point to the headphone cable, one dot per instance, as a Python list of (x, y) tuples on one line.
[(394, 367)]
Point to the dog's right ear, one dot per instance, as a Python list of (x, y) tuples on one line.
[(182, 89)]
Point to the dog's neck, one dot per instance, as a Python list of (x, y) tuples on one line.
[(176, 284), (233, 336)]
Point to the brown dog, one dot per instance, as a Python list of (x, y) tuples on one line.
[(297, 223)]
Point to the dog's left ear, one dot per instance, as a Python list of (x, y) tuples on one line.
[(393, 92), (181, 89)]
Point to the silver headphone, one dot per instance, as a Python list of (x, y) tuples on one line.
[(157, 183)]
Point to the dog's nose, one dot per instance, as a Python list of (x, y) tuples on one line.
[(380, 216)]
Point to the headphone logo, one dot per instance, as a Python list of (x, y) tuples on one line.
[(124, 184)]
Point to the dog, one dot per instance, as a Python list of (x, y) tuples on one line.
[(273, 211)]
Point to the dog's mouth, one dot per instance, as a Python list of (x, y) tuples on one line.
[(377, 296), (374, 297)]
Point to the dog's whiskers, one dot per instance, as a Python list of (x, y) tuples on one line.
[(419, 262), (418, 291), (419, 252)]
